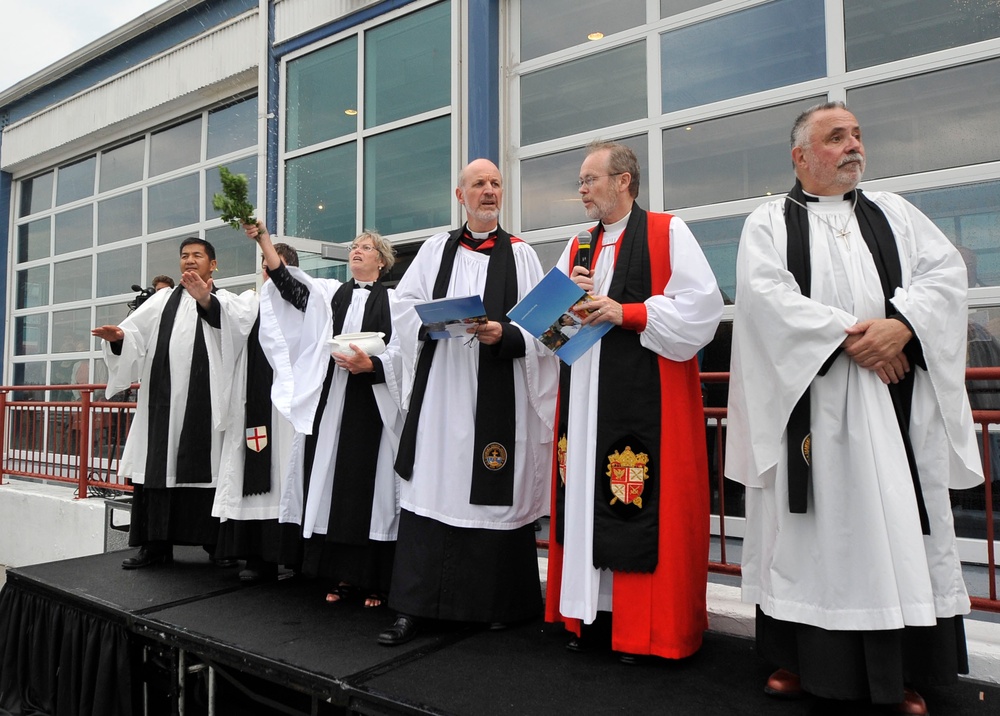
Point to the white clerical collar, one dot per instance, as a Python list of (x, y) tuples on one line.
[(821, 198), (481, 234), (364, 284), (613, 232)]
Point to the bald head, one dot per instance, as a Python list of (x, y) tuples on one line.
[(480, 191)]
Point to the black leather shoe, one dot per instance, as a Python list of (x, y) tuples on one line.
[(574, 644), (226, 563), (498, 626), (629, 659), (147, 556), (259, 571), (404, 630)]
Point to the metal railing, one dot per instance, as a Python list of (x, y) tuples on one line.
[(80, 442)]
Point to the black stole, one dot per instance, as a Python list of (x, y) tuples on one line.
[(492, 479), (626, 536), (878, 236), (257, 414), (194, 460)]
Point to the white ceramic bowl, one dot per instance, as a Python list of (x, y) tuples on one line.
[(370, 342)]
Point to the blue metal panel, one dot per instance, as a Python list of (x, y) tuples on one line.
[(484, 80), (159, 39)]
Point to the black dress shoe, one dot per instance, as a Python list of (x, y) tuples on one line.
[(574, 644), (629, 659), (226, 563), (404, 630), (147, 556), (258, 571), (498, 626)]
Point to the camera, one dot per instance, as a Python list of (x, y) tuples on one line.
[(140, 297)]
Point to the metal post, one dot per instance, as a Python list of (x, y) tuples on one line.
[(84, 437)]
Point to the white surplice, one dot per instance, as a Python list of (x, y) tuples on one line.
[(857, 560), (296, 345), (138, 348), (679, 323), (442, 469)]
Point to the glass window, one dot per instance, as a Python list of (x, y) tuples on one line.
[(75, 181), (122, 165), (71, 280), (163, 257), (71, 330), (109, 315), (669, 8), (75, 229), (119, 218), (321, 194), (36, 194), (549, 195), (890, 30), (213, 184), (932, 121), (234, 253), (551, 25), (232, 128), (30, 374), (31, 334), (561, 100), (33, 240), (117, 270), (33, 287), (719, 240), (173, 203), (408, 65), (176, 147), (969, 215), (731, 157), (771, 45), (408, 178), (322, 95)]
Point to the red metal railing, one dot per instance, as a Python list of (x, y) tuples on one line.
[(80, 442)]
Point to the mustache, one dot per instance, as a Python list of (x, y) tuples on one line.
[(853, 157)]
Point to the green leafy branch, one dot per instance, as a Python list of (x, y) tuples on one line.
[(234, 202)]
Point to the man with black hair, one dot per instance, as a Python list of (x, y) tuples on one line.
[(174, 343)]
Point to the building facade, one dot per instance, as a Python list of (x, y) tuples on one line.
[(354, 114)]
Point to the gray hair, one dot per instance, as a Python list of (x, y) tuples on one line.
[(802, 121), (621, 159), (382, 245)]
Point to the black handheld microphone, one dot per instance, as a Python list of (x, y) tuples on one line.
[(583, 250), (136, 287)]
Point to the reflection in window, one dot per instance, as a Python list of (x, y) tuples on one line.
[(75, 229), (730, 158), (561, 100), (969, 215), (33, 287), (321, 194), (122, 165), (175, 147), (937, 120), (668, 8), (31, 334), (75, 181), (33, 240), (888, 30), (551, 25), (408, 65), (234, 254), (109, 315), (408, 177), (29, 374), (771, 45), (119, 218), (36, 194), (71, 330), (213, 184), (719, 239), (232, 128), (163, 257), (173, 203), (549, 195), (322, 89), (117, 270), (71, 280)]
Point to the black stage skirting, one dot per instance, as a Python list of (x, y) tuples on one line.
[(84, 636)]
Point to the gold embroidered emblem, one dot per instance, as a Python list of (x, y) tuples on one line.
[(561, 458), (494, 456), (628, 473), (807, 449)]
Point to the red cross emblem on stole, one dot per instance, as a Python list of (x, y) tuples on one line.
[(257, 438)]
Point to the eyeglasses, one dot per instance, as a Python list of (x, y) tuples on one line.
[(589, 181), (367, 248)]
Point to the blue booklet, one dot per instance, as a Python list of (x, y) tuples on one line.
[(451, 317), (549, 313)]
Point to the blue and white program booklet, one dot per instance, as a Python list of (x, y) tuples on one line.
[(451, 317), (552, 312)]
